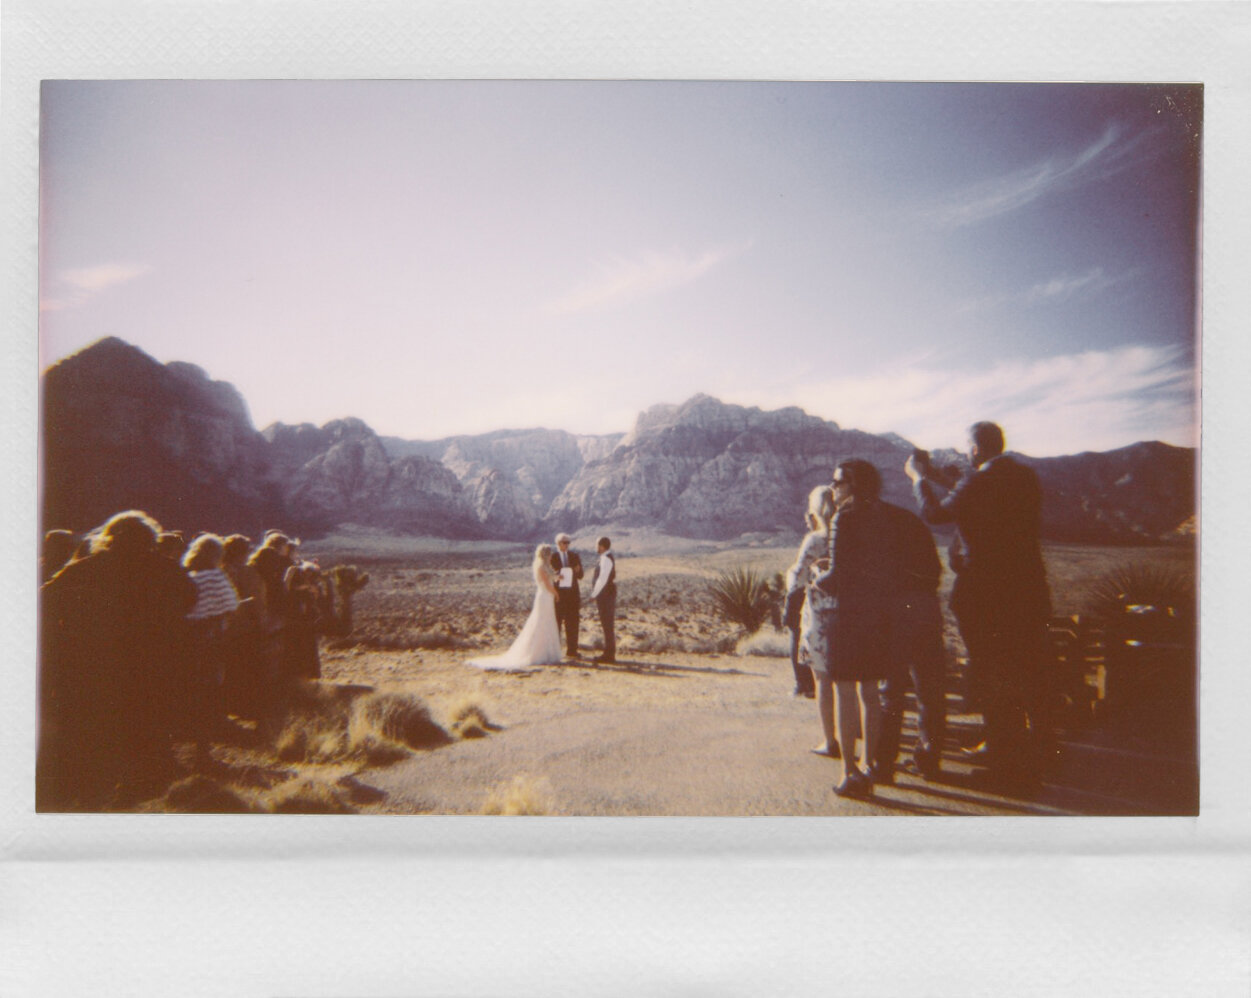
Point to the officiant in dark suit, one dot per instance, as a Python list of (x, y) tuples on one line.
[(568, 568)]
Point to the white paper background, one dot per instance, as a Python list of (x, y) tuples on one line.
[(357, 906)]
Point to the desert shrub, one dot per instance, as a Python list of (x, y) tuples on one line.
[(333, 724), (723, 645), (470, 721), (309, 794), (400, 718), (312, 738), (198, 794), (1169, 589), (744, 596), (771, 644), (523, 795)]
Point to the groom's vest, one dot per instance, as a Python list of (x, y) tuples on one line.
[(610, 587)]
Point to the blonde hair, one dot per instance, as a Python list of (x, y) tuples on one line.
[(821, 506), (204, 553), (543, 556)]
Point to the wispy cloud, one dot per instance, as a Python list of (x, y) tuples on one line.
[(1053, 291), (625, 279), (73, 287), (1097, 400), (1111, 152)]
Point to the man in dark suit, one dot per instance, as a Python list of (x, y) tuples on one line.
[(568, 567), (604, 592), (1000, 598), (917, 653)]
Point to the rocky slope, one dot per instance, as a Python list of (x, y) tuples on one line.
[(341, 473), (510, 477), (1138, 493), (707, 469), (122, 430)]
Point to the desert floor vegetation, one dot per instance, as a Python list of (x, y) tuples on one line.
[(400, 724), (523, 794)]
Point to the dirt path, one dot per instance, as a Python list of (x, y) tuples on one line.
[(655, 735)]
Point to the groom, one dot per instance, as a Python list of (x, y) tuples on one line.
[(604, 592), (568, 568)]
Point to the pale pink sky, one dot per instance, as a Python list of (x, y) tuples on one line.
[(456, 257)]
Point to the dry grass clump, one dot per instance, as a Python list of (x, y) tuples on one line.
[(309, 793), (765, 642), (337, 724), (199, 794), (400, 718), (523, 795), (469, 720)]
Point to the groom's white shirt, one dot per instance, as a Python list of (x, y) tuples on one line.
[(605, 573)]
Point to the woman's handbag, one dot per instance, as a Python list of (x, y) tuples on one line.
[(793, 609)]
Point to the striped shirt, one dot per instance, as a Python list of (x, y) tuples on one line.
[(214, 594)]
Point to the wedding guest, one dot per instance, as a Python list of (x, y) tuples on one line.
[(303, 615), (1000, 600), (271, 563), (216, 602), (171, 544), (812, 549), (917, 653), (112, 626), (862, 578), (244, 637)]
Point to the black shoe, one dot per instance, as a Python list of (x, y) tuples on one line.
[(981, 754), (604, 660), (882, 774), (803, 691), (928, 764), (856, 784)]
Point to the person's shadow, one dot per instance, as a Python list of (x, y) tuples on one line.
[(661, 670)]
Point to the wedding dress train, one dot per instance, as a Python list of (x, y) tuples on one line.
[(537, 644)]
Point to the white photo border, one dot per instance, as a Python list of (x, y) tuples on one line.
[(304, 905)]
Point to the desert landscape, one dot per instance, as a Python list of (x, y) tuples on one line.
[(695, 718)]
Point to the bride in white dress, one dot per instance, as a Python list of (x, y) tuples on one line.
[(539, 640)]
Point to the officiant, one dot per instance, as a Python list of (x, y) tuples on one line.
[(568, 567)]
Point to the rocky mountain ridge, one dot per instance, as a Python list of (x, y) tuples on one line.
[(122, 430)]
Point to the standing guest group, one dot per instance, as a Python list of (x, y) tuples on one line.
[(148, 642), (863, 609)]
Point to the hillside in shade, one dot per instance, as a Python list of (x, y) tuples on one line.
[(121, 430)]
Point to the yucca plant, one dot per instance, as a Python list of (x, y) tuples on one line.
[(1141, 584), (1138, 586), (744, 596)]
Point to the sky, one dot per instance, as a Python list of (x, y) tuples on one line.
[(439, 258)]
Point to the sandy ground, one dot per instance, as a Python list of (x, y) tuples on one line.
[(680, 726), (653, 735)]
